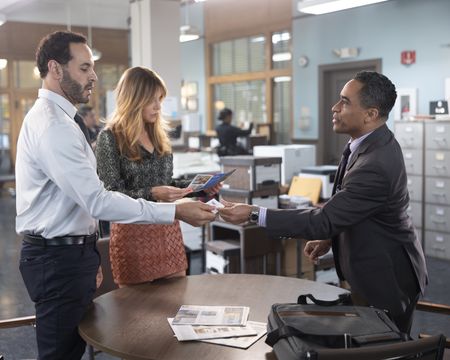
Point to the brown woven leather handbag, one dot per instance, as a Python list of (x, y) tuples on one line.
[(144, 252)]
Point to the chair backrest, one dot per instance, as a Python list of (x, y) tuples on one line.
[(108, 281), (431, 348)]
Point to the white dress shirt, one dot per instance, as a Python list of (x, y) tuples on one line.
[(58, 190)]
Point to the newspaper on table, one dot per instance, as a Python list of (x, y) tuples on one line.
[(243, 342), (211, 315), (199, 332)]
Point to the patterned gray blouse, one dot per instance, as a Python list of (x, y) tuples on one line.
[(133, 178)]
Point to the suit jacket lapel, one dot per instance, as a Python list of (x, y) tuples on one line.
[(378, 134)]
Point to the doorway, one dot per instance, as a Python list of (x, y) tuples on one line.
[(332, 79)]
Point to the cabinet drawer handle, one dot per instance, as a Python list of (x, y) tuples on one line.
[(408, 141), (440, 167), (439, 194), (438, 248), (439, 221), (439, 140)]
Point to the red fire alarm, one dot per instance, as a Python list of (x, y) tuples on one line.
[(408, 57)]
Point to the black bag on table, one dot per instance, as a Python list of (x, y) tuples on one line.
[(298, 331)]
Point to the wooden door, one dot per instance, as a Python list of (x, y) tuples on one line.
[(332, 79)]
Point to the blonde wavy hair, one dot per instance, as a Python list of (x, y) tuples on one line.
[(137, 87)]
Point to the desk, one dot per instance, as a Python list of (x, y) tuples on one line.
[(254, 241), (131, 322)]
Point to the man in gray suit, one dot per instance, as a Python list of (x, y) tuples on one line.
[(374, 242)]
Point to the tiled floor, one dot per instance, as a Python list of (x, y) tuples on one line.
[(19, 343)]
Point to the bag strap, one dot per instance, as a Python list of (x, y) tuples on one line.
[(339, 341), (343, 299)]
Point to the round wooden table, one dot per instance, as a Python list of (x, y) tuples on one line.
[(131, 323)]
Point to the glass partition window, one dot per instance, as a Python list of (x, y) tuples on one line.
[(238, 56), (246, 98), (3, 73), (5, 130), (25, 75), (281, 50), (108, 77), (282, 109)]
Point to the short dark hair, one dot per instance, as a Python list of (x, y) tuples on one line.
[(377, 92), (56, 46), (224, 113)]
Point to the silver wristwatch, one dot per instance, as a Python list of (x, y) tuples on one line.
[(254, 215)]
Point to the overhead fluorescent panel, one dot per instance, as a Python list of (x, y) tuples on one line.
[(318, 7)]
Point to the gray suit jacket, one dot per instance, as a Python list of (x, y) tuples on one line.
[(374, 242)]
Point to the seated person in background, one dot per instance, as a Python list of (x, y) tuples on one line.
[(88, 114), (228, 135)]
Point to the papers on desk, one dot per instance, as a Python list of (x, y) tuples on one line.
[(235, 336), (243, 342), (211, 315), (222, 325), (198, 332)]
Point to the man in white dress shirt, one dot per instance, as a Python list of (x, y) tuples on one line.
[(59, 198)]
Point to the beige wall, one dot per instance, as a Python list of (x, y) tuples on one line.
[(19, 41), (226, 19)]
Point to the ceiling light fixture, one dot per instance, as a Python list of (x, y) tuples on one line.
[(280, 79), (96, 54), (2, 19), (282, 56), (318, 7), (188, 32), (3, 64)]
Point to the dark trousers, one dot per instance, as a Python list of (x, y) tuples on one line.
[(403, 320), (61, 281)]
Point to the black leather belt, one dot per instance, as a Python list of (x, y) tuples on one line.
[(60, 240)]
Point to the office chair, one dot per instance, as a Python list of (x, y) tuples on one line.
[(438, 309), (431, 348), (106, 286)]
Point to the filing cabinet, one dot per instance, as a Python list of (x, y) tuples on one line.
[(437, 189), (267, 198), (252, 172), (410, 136)]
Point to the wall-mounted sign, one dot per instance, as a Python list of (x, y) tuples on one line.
[(408, 57)]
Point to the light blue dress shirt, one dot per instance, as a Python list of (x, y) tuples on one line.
[(58, 190)]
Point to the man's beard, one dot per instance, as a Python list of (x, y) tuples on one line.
[(72, 89)]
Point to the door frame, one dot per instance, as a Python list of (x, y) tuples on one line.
[(328, 68)]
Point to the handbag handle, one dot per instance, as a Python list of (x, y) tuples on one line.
[(343, 299)]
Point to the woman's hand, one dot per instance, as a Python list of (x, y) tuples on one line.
[(213, 190), (168, 193), (99, 277)]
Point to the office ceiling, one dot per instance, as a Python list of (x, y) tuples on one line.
[(97, 13)]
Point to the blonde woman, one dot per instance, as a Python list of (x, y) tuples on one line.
[(134, 156)]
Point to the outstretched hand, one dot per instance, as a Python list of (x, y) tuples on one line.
[(194, 213), (169, 193), (235, 213)]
